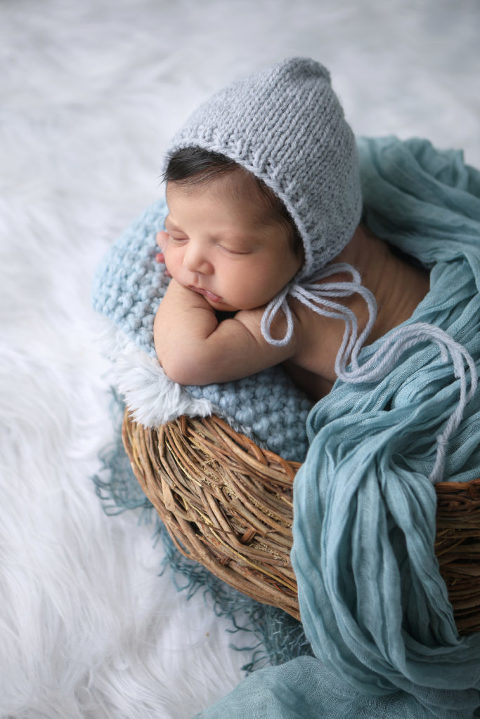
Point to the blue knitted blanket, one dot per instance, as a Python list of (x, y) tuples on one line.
[(373, 604)]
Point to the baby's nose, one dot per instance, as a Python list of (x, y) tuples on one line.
[(195, 260)]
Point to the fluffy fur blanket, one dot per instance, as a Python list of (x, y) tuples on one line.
[(91, 92)]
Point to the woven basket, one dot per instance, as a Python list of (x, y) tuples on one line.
[(228, 505)]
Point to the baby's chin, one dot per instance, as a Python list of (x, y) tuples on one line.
[(221, 305)]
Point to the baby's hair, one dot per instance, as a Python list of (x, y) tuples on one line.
[(192, 165)]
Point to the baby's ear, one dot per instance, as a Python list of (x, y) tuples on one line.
[(161, 238)]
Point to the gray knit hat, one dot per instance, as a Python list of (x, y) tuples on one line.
[(286, 126)]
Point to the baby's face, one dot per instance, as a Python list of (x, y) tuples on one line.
[(224, 242)]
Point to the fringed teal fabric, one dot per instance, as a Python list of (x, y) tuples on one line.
[(276, 636), (372, 601), (116, 485)]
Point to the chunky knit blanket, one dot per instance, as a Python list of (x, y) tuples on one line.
[(373, 604)]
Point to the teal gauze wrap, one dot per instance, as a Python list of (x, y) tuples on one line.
[(373, 604)]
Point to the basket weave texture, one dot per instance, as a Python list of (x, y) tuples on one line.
[(228, 504)]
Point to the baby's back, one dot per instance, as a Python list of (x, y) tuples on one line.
[(398, 286)]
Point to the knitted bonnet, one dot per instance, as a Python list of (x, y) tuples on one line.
[(286, 126)]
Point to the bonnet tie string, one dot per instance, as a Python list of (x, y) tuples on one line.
[(320, 298)]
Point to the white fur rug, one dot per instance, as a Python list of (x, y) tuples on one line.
[(90, 93)]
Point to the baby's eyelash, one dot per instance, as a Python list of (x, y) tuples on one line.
[(176, 239), (235, 252)]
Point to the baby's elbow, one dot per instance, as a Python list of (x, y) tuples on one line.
[(184, 371), (175, 362)]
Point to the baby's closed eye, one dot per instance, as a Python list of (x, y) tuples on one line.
[(234, 250)]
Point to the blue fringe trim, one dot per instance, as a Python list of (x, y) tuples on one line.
[(276, 636)]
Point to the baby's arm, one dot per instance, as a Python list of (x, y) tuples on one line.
[(194, 348)]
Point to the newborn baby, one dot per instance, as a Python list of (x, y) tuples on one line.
[(263, 240), (231, 247)]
